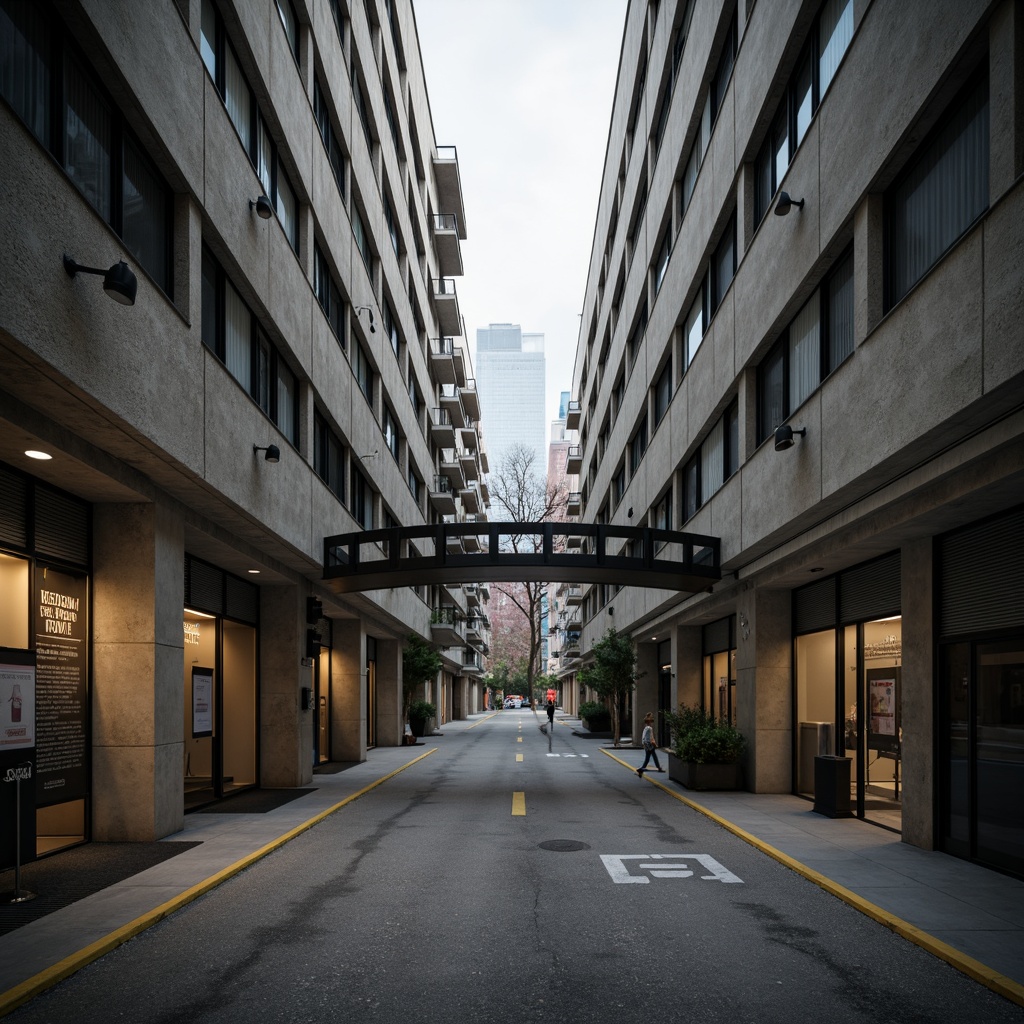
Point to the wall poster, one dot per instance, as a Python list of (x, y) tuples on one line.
[(202, 702), (17, 701), (884, 709), (62, 700)]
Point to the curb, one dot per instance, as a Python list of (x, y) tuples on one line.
[(974, 969), (31, 987)]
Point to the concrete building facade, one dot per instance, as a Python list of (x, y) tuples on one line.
[(802, 334), (293, 366)]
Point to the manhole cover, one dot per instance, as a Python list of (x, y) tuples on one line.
[(564, 845)]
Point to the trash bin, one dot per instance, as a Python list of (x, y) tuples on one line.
[(832, 786)]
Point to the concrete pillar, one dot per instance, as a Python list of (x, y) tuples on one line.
[(687, 666), (868, 267), (348, 691), (390, 724), (764, 689), (137, 669), (1006, 97), (286, 731), (918, 699), (645, 697)]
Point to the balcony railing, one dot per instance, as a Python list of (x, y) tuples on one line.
[(574, 459), (572, 416)]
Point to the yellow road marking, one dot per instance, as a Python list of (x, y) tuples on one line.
[(519, 757), (975, 969), (519, 805), (519, 739)]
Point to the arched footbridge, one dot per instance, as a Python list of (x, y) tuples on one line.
[(501, 552)]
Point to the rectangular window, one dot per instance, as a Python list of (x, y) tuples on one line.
[(941, 193), (804, 353), (328, 295), (87, 139), (835, 31), (694, 327), (691, 488), (723, 265), (233, 334), (291, 26), (288, 209), (771, 404), (663, 512), (238, 99), (391, 328), (361, 240), (389, 219), (415, 484), (661, 264), (839, 313), (619, 484), (363, 371), (390, 430), (637, 446), (362, 499), (329, 137), (328, 456), (732, 439), (662, 393), (712, 462)]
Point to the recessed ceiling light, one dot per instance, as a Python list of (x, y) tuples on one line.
[(820, 568), (38, 455), (254, 572)]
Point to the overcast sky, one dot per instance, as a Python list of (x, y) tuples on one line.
[(523, 89)]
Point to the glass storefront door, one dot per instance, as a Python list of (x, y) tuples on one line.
[(981, 760)]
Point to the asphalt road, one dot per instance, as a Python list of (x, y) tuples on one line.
[(429, 899)]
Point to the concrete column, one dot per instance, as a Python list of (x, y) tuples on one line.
[(645, 697), (1006, 97), (348, 691), (286, 731), (137, 670), (764, 689), (390, 725), (687, 666), (918, 699)]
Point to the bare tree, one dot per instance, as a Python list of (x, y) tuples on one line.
[(520, 494)]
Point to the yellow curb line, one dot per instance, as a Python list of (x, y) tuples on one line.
[(975, 969), (33, 986), (481, 722)]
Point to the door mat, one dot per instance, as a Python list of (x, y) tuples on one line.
[(66, 877)]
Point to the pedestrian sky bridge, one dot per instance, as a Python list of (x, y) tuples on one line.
[(502, 552)]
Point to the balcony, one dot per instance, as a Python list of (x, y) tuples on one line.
[(459, 356), (572, 416), (471, 399), (449, 186), (446, 302), (442, 360), (446, 242), (454, 545), (446, 627), (472, 591), (442, 430), (470, 498), (573, 596), (451, 399), (472, 664), (470, 468), (469, 437), (485, 494), (485, 463), (574, 460), (574, 504), (442, 496), (451, 468)]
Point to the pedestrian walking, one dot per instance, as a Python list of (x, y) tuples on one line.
[(650, 747), (551, 712)]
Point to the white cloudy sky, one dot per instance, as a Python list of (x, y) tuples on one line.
[(523, 89)]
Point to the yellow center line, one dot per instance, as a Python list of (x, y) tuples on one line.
[(519, 757), (519, 805), (519, 739)]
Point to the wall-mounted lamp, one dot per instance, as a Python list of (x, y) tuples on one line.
[(360, 309), (118, 282), (611, 610), (273, 452), (784, 436), (264, 207), (786, 203), (372, 454)]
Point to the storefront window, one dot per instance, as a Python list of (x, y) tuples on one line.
[(13, 601), (880, 754), (815, 703)]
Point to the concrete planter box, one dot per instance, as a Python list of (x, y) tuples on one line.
[(705, 776)]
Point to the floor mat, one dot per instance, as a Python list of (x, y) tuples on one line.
[(66, 877)]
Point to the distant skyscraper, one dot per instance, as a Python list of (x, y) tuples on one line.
[(510, 381)]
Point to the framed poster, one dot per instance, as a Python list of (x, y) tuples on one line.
[(17, 700), (202, 702), (884, 709)]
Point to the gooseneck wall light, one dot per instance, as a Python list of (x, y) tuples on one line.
[(118, 282), (369, 313), (784, 436), (785, 203), (273, 452), (263, 206)]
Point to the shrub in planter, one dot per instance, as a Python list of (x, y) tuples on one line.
[(420, 712), (596, 716), (701, 739)]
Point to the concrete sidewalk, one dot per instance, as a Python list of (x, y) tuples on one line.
[(969, 916)]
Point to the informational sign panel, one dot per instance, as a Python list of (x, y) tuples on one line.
[(62, 704), (202, 702), (884, 709), (17, 704)]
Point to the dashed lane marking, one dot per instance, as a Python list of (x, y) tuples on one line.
[(518, 805)]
